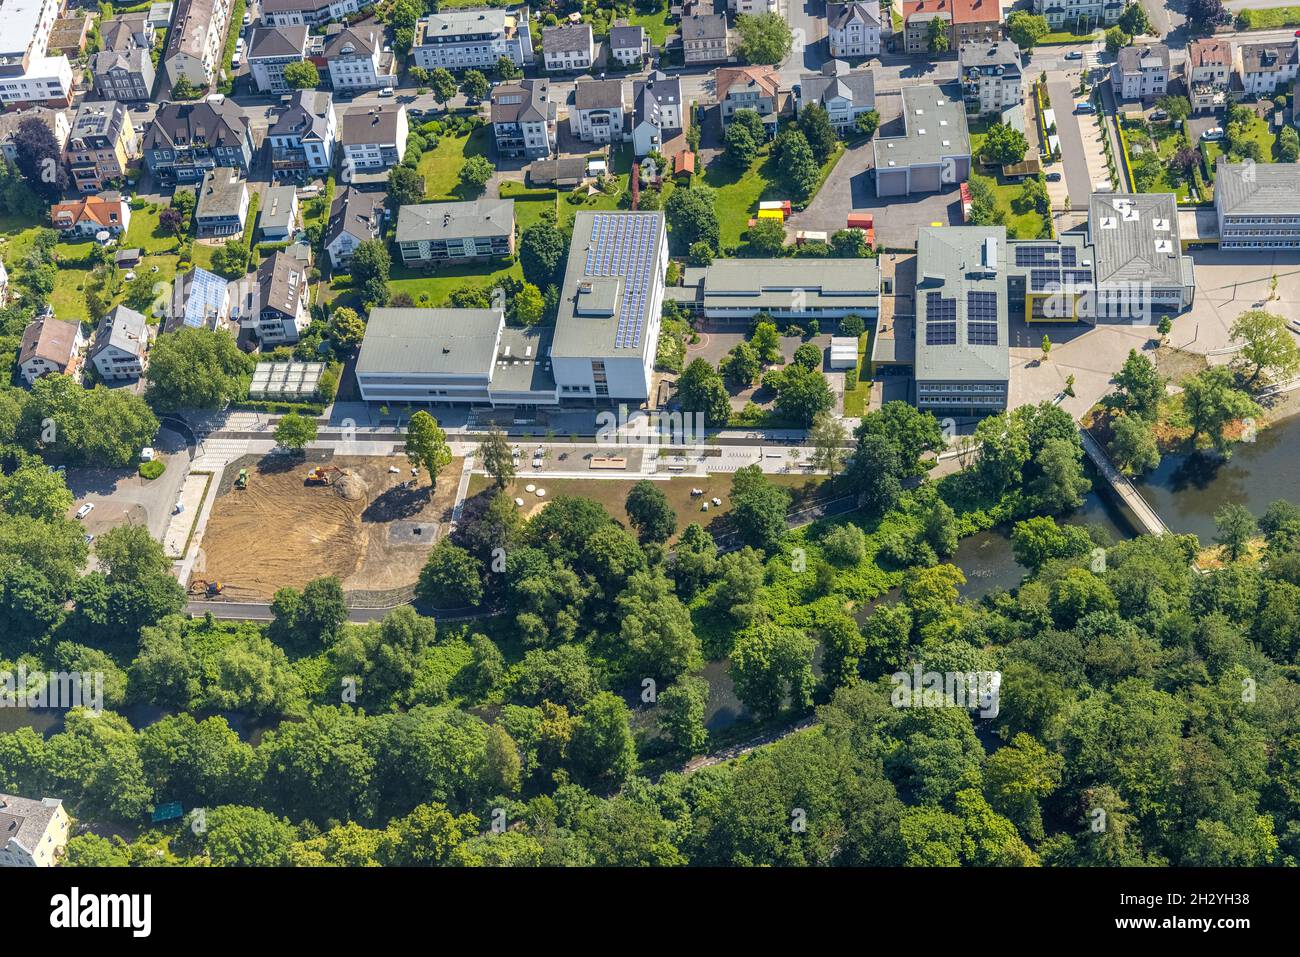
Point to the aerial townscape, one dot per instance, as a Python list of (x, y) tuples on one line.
[(646, 433)]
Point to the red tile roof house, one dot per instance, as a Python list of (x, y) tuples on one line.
[(50, 347), (968, 20), (92, 214)]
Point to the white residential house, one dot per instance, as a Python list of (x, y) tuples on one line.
[(270, 50), (303, 138), (374, 137), (1141, 73), (1092, 13), (568, 48), (1267, 68), (657, 112), (524, 118), (753, 6), (845, 94), (357, 59), (121, 342), (196, 42), (1208, 73), (599, 111), (629, 45), (29, 76), (291, 13), (853, 29), (991, 80), (50, 347), (282, 313)]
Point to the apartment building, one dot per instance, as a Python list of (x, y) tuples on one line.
[(430, 234), (222, 208), (845, 94), (962, 354), (524, 118), (1208, 73), (292, 13), (705, 38), (461, 39), (123, 68), (196, 42), (101, 146), (186, 140), (373, 137), (756, 88), (600, 113), (358, 61), (991, 79), (657, 112), (1266, 69), (50, 347), (1258, 205), (934, 151), (30, 73), (1085, 14), (282, 314), (303, 136), (121, 343), (611, 298), (32, 833), (270, 50), (967, 21), (853, 29), (568, 48), (1141, 72)]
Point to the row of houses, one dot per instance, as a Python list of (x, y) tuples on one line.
[(98, 141), (1216, 71)]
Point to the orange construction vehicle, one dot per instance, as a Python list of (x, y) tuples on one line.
[(205, 588), (325, 475)]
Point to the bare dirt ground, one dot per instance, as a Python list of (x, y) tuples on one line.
[(281, 532)]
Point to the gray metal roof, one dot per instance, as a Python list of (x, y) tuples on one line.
[(1257, 189), (954, 262), (430, 341), (1135, 236), (773, 283), (479, 218), (605, 301), (935, 127), (277, 42)]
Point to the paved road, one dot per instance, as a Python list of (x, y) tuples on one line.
[(1077, 179)]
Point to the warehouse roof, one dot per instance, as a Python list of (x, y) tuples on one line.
[(961, 304), (934, 125), (1135, 236), (1268, 189), (430, 341), (773, 283)]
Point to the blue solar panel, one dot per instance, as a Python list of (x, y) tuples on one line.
[(207, 297), (941, 333), (939, 309), (624, 245), (982, 333), (1067, 256), (982, 307)]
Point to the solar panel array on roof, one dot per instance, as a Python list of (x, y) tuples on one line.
[(207, 296), (1077, 277), (940, 333), (982, 333), (1037, 255), (624, 245), (1067, 256), (939, 309), (981, 306)]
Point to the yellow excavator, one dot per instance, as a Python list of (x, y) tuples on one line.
[(201, 588), (325, 475)]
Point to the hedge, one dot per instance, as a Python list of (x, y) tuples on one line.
[(151, 470)]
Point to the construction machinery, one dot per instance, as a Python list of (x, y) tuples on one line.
[(242, 481), (325, 475), (205, 588)]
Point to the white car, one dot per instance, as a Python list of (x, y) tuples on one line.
[(85, 510), (239, 45), (146, 454), (1213, 133), (1074, 55), (235, 61)]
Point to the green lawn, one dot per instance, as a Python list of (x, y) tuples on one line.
[(1270, 19), (656, 25), (146, 234), (1068, 36), (441, 165)]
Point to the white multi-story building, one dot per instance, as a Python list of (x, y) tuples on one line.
[(270, 50), (523, 118), (32, 833), (1141, 73), (1208, 73), (120, 344), (1258, 205), (28, 76), (607, 328), (598, 111), (358, 61), (990, 75), (281, 315), (292, 13), (657, 112), (464, 39), (844, 94), (1092, 13), (1267, 68), (853, 29), (373, 137), (196, 42), (303, 138), (568, 48)]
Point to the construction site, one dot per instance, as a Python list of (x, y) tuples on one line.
[(280, 521)]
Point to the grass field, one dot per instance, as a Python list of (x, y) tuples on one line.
[(1271, 19), (740, 191), (441, 165), (656, 25)]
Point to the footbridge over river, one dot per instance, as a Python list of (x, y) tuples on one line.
[(1145, 518)]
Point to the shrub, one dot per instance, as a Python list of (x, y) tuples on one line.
[(151, 470)]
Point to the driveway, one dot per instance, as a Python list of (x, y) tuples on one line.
[(121, 496)]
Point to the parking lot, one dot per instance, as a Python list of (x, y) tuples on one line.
[(121, 496)]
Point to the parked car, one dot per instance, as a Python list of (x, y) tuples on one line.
[(1213, 133), (1074, 55), (89, 539), (85, 509), (1084, 107), (386, 91), (1159, 115), (1053, 177)]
